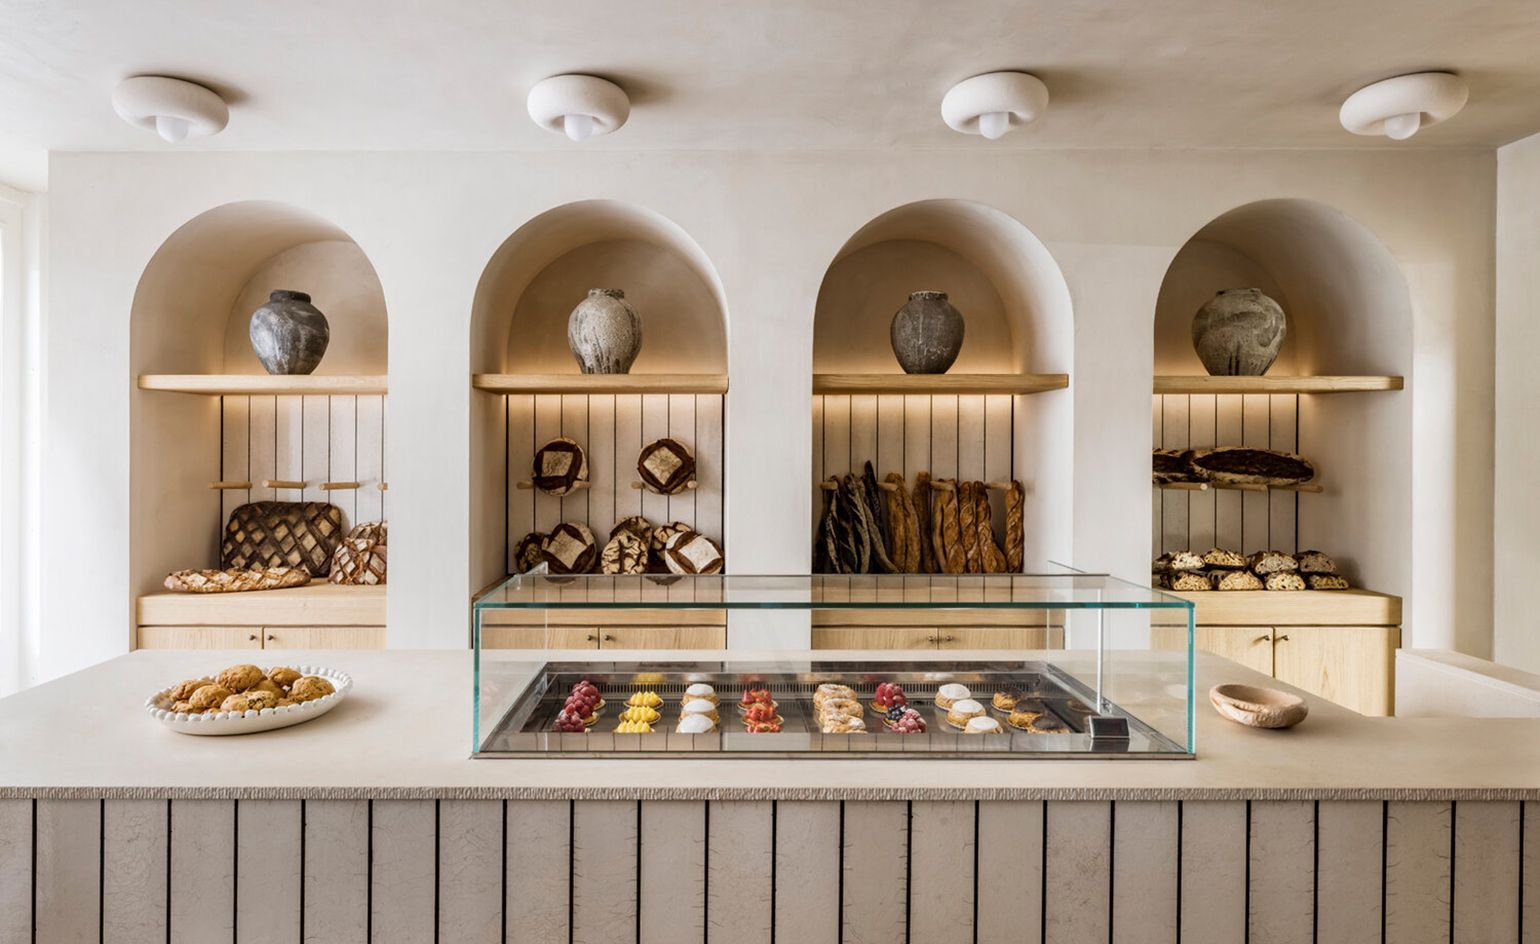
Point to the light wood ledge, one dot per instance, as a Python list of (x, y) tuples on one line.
[(1337, 384), (600, 383), (218, 385), (937, 383), (318, 603)]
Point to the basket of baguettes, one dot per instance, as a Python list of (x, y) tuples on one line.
[(1224, 569), (243, 699)]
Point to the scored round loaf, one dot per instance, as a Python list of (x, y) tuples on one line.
[(637, 525), (570, 550), (624, 554), (690, 552), (527, 555), (559, 466), (666, 466)]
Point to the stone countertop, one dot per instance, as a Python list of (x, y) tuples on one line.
[(404, 732)]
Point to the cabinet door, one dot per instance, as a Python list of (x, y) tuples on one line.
[(875, 637), (998, 637), (323, 637), (539, 637), (1251, 646), (200, 637), (657, 637), (1353, 666)]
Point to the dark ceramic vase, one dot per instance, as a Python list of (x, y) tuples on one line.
[(1238, 333), (927, 334), (289, 334), (604, 332)]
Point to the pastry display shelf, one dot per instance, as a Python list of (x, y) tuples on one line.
[(1239, 487), (1203, 385), (600, 383), (1005, 384), (219, 385)]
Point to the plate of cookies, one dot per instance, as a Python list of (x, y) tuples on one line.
[(243, 699)]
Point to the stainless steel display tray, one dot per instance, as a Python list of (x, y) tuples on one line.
[(525, 729)]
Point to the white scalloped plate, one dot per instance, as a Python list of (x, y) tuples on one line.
[(268, 719)]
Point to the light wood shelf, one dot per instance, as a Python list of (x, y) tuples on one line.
[(318, 603), (1292, 607), (1231, 486), (218, 385), (600, 383), (937, 383), (1284, 385)]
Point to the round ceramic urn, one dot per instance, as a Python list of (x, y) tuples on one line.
[(605, 332), (1238, 333), (927, 334), (288, 334)]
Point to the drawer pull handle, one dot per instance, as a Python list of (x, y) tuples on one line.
[(932, 638), (252, 638), (608, 638), (1261, 639), (271, 638), (1284, 638), (590, 637), (948, 638)]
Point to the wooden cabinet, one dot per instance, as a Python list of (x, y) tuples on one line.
[(998, 637), (603, 629), (539, 637), (261, 637), (1251, 646), (200, 637), (319, 615), (936, 637), (1350, 665), (661, 637), (323, 637), (874, 637)]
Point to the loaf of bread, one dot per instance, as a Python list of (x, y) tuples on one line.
[(1224, 558), (236, 580), (570, 550), (1187, 580), (559, 466), (666, 466), (904, 546), (690, 552), (879, 561), (1326, 582), (1170, 465), (362, 557), (922, 524), (635, 524), (967, 523), (624, 554), (1315, 562), (1185, 560), (1242, 465), (853, 543), (1234, 580), (1284, 580), (527, 553), (1263, 563), (1015, 527), (991, 558), (948, 531)]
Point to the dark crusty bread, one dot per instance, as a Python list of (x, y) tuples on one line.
[(635, 524), (922, 524), (527, 553), (570, 549), (559, 466), (1241, 465), (1170, 465), (690, 552), (666, 466), (1015, 528), (624, 554)]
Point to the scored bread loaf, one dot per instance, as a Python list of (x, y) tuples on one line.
[(666, 466), (1263, 563), (690, 552), (947, 530), (904, 549), (236, 580), (991, 558), (570, 550), (1315, 562), (1187, 580), (1234, 580), (878, 561), (361, 558), (1170, 465), (527, 553), (1224, 558), (967, 523), (1185, 560), (1284, 580), (923, 523), (1242, 465), (624, 554), (1015, 527), (559, 466), (637, 525)]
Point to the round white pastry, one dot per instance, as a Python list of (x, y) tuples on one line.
[(700, 690), (982, 725), (698, 707), (954, 691), (696, 724), (967, 707)]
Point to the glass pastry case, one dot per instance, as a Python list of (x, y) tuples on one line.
[(1094, 686)]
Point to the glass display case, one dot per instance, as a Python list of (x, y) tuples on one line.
[(1095, 687)]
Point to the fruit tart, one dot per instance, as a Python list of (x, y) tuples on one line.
[(569, 723), (762, 715), (639, 713), (633, 727), (755, 696), (889, 695), (582, 705), (590, 691), (645, 699)]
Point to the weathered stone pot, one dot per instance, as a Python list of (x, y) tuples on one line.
[(1238, 333), (927, 334), (289, 334), (605, 332)]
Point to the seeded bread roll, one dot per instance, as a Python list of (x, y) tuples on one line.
[(1326, 582), (559, 466), (666, 466), (624, 554), (571, 549), (527, 554), (1315, 562), (923, 524), (690, 552), (1241, 465), (1188, 580), (1263, 563), (1284, 580), (1234, 580), (1225, 559), (1185, 560), (1015, 528)]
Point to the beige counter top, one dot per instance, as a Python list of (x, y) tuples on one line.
[(405, 732)]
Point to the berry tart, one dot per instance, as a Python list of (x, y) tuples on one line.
[(902, 719), (569, 723), (755, 696), (889, 695), (762, 719), (584, 705)]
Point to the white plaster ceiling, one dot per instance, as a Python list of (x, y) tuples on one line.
[(755, 74)]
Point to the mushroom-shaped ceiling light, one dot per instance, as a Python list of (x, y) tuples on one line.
[(579, 106), (175, 109), (1398, 107), (994, 103)]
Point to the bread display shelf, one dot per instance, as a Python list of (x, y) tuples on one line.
[(318, 603), (1292, 607), (937, 383), (1284, 385), (219, 385), (1238, 487), (600, 383)]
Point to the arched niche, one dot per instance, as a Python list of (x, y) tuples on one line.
[(536, 277), (1019, 319), (1002, 278), (1349, 312), (190, 315), (519, 317)]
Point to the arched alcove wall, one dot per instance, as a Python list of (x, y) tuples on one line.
[(519, 326), (190, 315), (1349, 312), (1019, 319)]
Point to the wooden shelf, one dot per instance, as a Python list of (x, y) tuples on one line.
[(600, 383), (937, 383), (1293, 607), (1285, 385), (218, 385), (1229, 486), (318, 603)]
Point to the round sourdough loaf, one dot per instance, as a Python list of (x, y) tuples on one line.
[(690, 552), (559, 467), (570, 550), (666, 466)]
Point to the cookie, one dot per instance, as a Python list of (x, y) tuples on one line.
[(183, 690), (209, 696), (238, 678), (283, 675)]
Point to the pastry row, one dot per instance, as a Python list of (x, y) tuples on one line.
[(635, 546), (1225, 569)]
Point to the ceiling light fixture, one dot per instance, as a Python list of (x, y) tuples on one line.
[(993, 103), (1399, 107), (579, 106), (175, 109)]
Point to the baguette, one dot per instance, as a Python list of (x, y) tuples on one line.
[(922, 524), (905, 549), (236, 580), (991, 558), (967, 522), (879, 563), (1015, 528), (948, 532)]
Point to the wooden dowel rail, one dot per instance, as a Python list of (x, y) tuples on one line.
[(526, 485), (340, 486), (638, 486), (282, 483), (229, 485)]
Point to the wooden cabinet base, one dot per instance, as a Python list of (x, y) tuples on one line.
[(261, 637), (936, 637), (603, 637), (1353, 666)]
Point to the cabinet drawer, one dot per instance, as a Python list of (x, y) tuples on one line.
[(199, 637), (323, 637), (650, 637), (1251, 646), (874, 637), (995, 637), (531, 637), (1353, 666)]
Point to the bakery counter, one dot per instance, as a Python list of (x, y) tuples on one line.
[(372, 823)]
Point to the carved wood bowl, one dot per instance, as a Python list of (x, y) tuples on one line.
[(1258, 707)]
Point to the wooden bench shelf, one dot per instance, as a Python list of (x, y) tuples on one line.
[(600, 383), (218, 385), (318, 603), (937, 383), (1284, 385)]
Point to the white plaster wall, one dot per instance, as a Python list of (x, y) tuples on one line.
[(1516, 500), (770, 223)]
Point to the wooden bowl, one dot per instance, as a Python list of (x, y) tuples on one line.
[(1258, 707)]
